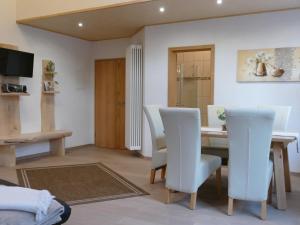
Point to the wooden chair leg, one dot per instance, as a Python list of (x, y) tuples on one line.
[(274, 181), (163, 172), (263, 212), (270, 192), (230, 206), (219, 181), (168, 199), (152, 176), (193, 201), (286, 165)]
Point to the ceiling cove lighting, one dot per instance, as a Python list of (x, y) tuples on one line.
[(219, 2), (80, 24), (162, 9)]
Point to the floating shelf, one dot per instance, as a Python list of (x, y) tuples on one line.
[(50, 73), (193, 78), (50, 92), (14, 94)]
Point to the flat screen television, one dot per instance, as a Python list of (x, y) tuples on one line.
[(16, 63)]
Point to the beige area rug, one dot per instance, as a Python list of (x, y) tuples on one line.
[(79, 184)]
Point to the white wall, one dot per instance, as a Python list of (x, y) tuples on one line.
[(268, 30), (110, 49), (73, 109), (139, 38), (115, 48)]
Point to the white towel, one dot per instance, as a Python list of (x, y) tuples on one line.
[(12, 217), (25, 199)]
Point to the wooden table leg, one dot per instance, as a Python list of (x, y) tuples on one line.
[(286, 165), (8, 155), (57, 147), (279, 175)]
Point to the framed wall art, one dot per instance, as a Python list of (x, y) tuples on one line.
[(269, 65)]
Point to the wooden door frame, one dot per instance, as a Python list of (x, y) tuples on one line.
[(97, 60), (172, 67)]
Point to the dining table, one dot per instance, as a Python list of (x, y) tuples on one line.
[(280, 141)]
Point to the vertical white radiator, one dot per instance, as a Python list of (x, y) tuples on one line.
[(134, 97)]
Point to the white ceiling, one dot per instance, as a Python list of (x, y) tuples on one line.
[(124, 21)]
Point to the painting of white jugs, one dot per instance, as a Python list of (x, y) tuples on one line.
[(274, 64)]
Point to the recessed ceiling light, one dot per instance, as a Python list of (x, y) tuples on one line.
[(162, 9), (80, 24), (219, 2)]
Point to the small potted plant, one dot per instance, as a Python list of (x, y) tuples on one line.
[(222, 116), (50, 67)]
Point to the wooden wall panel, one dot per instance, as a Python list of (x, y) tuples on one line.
[(9, 105), (9, 116), (10, 122), (47, 103)]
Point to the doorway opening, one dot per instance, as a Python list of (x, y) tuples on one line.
[(191, 78)]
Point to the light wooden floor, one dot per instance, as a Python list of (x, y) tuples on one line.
[(150, 210)]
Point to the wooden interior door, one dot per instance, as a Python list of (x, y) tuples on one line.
[(110, 103)]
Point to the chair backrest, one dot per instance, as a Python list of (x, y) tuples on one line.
[(156, 127), (250, 135), (213, 112), (282, 115), (182, 128)]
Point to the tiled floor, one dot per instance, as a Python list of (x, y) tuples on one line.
[(150, 210)]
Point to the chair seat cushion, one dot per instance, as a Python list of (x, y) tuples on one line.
[(221, 152), (208, 164), (159, 158)]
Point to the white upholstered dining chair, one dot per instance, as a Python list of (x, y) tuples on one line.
[(249, 168), (187, 168), (282, 115), (159, 150)]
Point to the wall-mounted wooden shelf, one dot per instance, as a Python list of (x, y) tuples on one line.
[(193, 78), (14, 94), (50, 73), (50, 92)]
